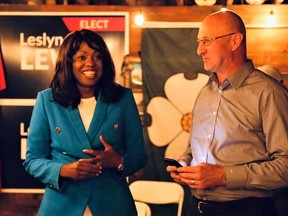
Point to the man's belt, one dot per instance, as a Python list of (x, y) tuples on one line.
[(206, 207)]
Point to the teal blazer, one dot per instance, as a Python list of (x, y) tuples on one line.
[(57, 136)]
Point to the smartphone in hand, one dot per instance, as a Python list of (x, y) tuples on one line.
[(172, 162)]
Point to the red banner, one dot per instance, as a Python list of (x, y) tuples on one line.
[(2, 74), (95, 24)]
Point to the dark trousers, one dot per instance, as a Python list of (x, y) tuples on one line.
[(281, 202), (244, 207)]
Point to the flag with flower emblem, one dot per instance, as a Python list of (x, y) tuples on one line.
[(173, 74)]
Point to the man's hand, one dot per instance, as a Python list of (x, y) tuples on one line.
[(202, 176), (174, 174)]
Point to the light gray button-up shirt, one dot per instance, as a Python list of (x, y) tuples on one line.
[(243, 126)]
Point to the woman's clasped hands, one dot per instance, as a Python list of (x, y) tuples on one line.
[(91, 167)]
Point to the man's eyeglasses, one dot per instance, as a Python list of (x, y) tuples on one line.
[(207, 41)]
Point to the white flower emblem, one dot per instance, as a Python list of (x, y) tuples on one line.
[(171, 116)]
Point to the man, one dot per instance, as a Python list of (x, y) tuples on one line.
[(238, 155)]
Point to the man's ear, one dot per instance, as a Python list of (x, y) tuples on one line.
[(236, 41)]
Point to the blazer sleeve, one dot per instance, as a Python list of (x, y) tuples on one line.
[(38, 162), (134, 154)]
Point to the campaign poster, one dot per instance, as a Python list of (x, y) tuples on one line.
[(29, 44)]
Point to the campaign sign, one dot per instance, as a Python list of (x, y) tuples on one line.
[(14, 125), (29, 44)]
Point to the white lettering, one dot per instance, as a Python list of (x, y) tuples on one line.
[(23, 142), (25, 65), (94, 24), (41, 59), (38, 58), (22, 130), (22, 41), (53, 54), (41, 40), (23, 148)]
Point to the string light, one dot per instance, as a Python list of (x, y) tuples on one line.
[(224, 6), (271, 18), (139, 18), (223, 9)]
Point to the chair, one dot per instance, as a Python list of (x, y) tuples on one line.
[(158, 192), (142, 209)]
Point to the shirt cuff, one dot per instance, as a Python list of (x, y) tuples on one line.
[(236, 177)]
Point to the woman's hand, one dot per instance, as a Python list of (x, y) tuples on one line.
[(107, 158), (91, 167), (81, 169)]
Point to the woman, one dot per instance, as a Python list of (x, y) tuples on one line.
[(85, 134)]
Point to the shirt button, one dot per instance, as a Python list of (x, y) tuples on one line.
[(220, 91), (214, 113), (209, 135)]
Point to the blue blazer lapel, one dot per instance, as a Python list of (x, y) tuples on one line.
[(78, 126), (97, 121)]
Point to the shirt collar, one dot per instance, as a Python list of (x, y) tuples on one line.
[(237, 78)]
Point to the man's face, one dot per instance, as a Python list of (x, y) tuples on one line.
[(213, 45)]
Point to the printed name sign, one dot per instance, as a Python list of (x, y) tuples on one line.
[(29, 51)]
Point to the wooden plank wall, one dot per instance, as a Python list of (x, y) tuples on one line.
[(265, 45)]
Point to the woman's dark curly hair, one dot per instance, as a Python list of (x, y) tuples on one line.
[(63, 84)]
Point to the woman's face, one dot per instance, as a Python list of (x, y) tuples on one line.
[(87, 69)]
